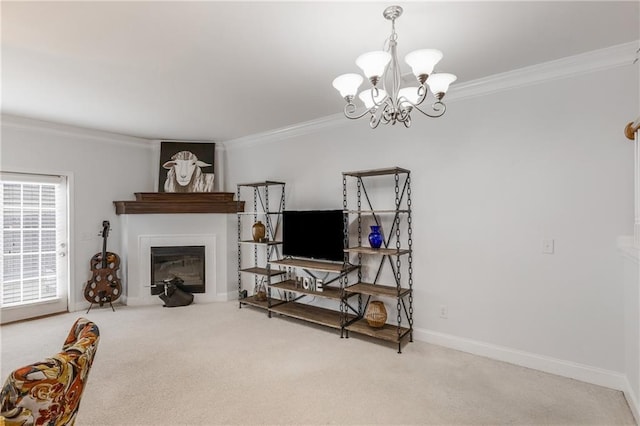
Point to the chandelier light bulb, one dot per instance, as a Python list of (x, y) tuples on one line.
[(368, 100), (439, 83), (348, 84), (373, 63), (422, 62)]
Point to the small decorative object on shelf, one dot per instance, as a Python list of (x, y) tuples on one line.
[(375, 237), (261, 294), (258, 231), (376, 314)]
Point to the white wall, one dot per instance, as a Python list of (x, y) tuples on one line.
[(491, 180), (103, 168)]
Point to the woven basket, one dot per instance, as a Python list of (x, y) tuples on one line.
[(376, 314)]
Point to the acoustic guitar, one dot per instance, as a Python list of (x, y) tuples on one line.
[(104, 285)]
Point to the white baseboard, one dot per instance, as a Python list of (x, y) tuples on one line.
[(572, 370), (632, 400), (198, 298)]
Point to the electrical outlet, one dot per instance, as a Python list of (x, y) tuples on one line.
[(547, 246), (444, 312)]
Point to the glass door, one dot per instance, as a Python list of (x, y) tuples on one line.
[(33, 261)]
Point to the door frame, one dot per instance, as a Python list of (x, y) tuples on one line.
[(34, 310)]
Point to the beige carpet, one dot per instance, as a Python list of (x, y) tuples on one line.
[(215, 364)]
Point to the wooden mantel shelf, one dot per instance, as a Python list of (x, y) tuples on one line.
[(173, 202)]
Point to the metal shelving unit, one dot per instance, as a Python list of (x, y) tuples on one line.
[(263, 252), (393, 252), (396, 252)]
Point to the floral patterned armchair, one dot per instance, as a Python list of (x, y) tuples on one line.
[(48, 392)]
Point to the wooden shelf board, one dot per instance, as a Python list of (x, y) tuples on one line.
[(265, 183), (377, 172), (164, 207), (251, 301), (376, 290), (257, 213), (328, 292), (316, 265), (268, 243), (177, 202), (388, 211), (263, 271), (179, 197), (381, 251), (389, 332), (314, 314)]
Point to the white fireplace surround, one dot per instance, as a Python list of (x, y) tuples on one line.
[(143, 231)]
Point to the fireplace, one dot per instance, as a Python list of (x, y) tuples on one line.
[(184, 262), (215, 232)]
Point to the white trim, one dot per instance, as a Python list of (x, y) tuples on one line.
[(627, 248), (597, 60), (299, 129), (572, 370), (632, 400), (74, 131), (571, 66)]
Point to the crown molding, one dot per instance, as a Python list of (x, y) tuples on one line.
[(593, 61), (571, 66), (25, 123), (299, 129)]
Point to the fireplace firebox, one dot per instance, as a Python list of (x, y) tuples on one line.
[(184, 262)]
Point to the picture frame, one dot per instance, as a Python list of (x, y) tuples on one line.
[(186, 167)]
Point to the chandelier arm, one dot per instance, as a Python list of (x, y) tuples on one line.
[(384, 101), (350, 112), (404, 115), (437, 106), (422, 94), (379, 115), (374, 121)]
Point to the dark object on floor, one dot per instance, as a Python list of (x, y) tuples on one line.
[(175, 294)]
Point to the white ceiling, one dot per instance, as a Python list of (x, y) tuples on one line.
[(223, 70)]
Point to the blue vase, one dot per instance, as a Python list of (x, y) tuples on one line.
[(375, 237)]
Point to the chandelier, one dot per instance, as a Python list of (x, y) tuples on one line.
[(391, 103)]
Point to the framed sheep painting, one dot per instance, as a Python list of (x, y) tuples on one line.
[(186, 167)]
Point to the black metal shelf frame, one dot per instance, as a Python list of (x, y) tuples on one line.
[(273, 248), (389, 253)]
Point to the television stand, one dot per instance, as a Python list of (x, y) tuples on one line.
[(294, 308)]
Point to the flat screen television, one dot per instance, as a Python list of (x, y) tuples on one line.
[(314, 234)]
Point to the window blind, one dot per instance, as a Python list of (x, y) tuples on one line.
[(29, 223)]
